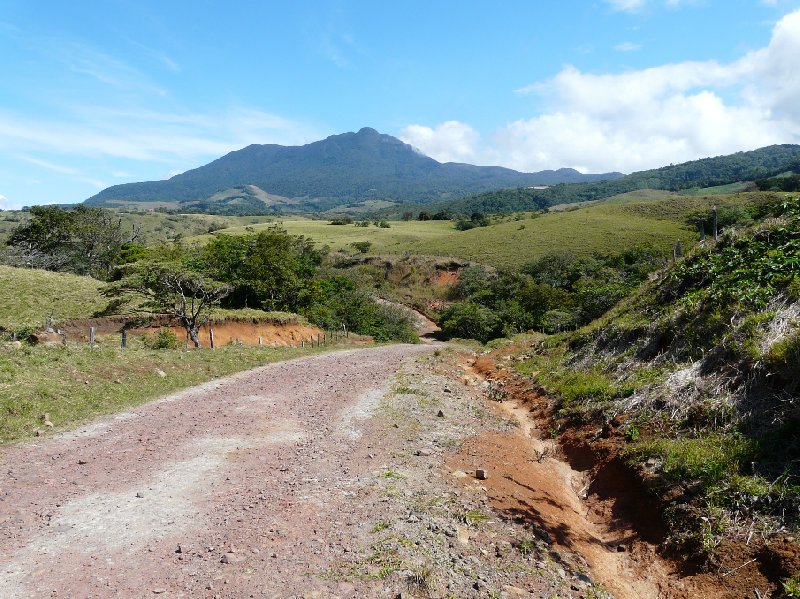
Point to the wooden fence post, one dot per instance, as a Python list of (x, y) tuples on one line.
[(211, 336), (716, 232), (124, 343), (92, 333), (260, 342)]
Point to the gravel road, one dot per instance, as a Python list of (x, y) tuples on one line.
[(317, 477)]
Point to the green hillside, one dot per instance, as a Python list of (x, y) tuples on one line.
[(693, 381), (723, 174), (28, 297), (606, 228)]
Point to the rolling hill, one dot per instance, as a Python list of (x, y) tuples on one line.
[(341, 169), (700, 176)]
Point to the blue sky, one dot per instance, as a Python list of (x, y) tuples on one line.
[(95, 93)]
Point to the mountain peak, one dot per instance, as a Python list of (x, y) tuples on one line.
[(340, 169)]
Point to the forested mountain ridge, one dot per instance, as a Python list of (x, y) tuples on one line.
[(340, 169), (697, 174)]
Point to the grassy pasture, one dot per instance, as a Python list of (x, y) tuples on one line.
[(29, 296), (607, 227)]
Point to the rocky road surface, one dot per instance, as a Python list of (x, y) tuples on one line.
[(318, 477)]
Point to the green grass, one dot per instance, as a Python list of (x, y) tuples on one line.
[(77, 383), (401, 236), (29, 296), (604, 228)]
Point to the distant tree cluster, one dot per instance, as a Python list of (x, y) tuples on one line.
[(558, 291), (790, 183)]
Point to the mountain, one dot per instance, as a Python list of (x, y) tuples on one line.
[(697, 174), (341, 169)]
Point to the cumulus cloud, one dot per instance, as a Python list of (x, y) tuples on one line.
[(452, 141), (641, 119)]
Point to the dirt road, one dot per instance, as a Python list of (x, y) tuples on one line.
[(350, 474), (319, 477)]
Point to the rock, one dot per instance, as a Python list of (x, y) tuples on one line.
[(159, 591), (440, 414), (82, 462), (231, 558), (447, 390), (160, 373), (139, 495), (481, 474), (423, 452)]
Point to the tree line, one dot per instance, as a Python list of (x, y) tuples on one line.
[(270, 270)]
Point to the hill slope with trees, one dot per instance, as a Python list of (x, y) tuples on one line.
[(756, 165)]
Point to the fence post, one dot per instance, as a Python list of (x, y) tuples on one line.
[(716, 232), (211, 336), (124, 338), (260, 341), (92, 333)]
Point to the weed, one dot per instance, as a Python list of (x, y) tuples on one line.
[(421, 579), (632, 433), (526, 547), (791, 586), (473, 517), (392, 474), (381, 526), (164, 339)]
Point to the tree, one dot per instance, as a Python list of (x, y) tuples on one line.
[(271, 270), (168, 288), (408, 215), (85, 241)]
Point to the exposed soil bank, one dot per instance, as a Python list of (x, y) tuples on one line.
[(245, 331), (580, 491)]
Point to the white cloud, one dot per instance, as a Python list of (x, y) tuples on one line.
[(3, 199), (64, 170), (626, 5), (641, 119), (627, 47), (147, 135), (451, 141)]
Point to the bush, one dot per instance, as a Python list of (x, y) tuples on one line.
[(362, 247), (470, 321), (164, 339)]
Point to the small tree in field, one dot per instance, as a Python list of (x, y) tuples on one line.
[(170, 289)]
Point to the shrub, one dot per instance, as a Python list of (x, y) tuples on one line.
[(164, 339), (470, 321), (361, 247)]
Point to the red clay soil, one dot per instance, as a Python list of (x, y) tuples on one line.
[(247, 332), (589, 500), (446, 278)]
